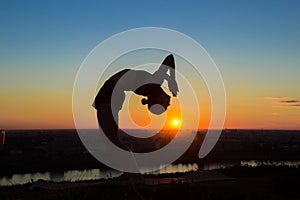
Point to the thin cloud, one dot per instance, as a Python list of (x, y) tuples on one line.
[(291, 101), (295, 105), (276, 98), (284, 101)]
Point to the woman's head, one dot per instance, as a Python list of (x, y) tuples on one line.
[(157, 100)]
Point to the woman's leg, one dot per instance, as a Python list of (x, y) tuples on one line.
[(109, 125)]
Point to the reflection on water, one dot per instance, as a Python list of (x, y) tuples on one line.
[(178, 168), (256, 163), (68, 176), (97, 174), (83, 175), (252, 163), (213, 166), (20, 179)]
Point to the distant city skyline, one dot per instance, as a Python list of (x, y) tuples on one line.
[(255, 44)]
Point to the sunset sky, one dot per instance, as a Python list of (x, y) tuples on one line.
[(255, 44)]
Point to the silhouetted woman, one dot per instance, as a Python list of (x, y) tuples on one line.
[(140, 82)]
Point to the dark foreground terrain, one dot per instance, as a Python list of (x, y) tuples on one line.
[(61, 150), (247, 183)]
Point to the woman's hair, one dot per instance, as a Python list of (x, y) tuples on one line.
[(157, 100)]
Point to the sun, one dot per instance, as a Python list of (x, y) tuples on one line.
[(175, 123)]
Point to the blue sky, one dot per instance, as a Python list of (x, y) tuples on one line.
[(254, 43), (39, 27)]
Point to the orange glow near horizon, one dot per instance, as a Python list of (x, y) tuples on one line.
[(38, 106)]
